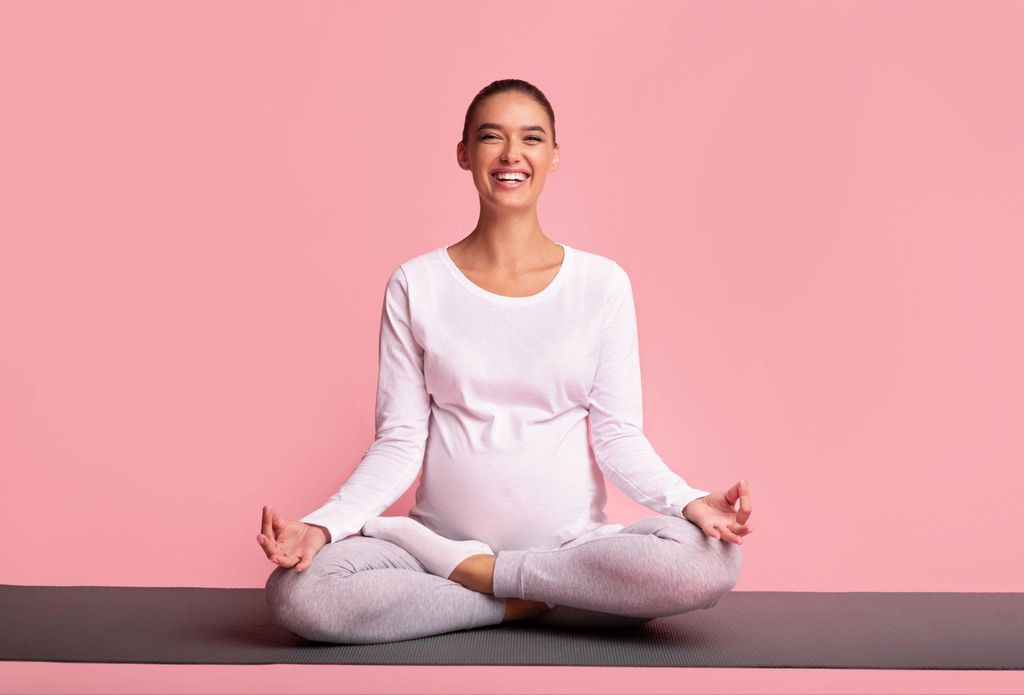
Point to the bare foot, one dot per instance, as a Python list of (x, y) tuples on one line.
[(518, 609), (476, 572)]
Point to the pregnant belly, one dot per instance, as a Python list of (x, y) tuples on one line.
[(510, 504)]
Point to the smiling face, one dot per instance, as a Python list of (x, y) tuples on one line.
[(510, 133)]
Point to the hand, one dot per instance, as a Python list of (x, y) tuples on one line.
[(290, 543), (716, 513)]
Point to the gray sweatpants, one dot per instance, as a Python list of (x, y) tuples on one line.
[(364, 590)]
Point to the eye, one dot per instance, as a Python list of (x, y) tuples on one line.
[(533, 137)]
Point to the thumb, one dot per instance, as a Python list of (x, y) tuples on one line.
[(277, 522), (732, 495)]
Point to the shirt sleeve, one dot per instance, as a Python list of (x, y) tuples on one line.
[(402, 415), (623, 452)]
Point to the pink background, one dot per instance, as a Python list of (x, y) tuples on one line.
[(820, 205)]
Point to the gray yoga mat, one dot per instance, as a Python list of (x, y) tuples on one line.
[(746, 629)]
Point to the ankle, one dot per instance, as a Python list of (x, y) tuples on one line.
[(476, 572), (519, 609)]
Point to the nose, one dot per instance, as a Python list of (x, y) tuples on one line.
[(511, 153)]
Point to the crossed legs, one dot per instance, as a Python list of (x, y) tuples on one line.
[(365, 590)]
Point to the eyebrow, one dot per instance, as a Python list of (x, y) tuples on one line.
[(495, 126)]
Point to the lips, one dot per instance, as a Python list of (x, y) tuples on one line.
[(509, 185)]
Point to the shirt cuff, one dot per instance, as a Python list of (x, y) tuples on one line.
[(341, 526), (693, 494)]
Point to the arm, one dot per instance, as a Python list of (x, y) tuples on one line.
[(393, 461), (622, 451)]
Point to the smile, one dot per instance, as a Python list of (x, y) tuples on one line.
[(510, 184)]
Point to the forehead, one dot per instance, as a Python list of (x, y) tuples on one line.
[(511, 109)]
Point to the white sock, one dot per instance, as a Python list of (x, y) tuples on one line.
[(437, 554)]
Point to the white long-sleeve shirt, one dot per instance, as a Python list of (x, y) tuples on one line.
[(490, 396)]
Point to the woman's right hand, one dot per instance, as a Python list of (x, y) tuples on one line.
[(290, 543)]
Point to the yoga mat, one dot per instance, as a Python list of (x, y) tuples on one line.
[(746, 629)]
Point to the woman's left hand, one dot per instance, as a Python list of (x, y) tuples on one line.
[(716, 513)]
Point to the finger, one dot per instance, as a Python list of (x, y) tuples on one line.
[(711, 532), (740, 529), (276, 522), (729, 536), (270, 547), (267, 544), (266, 528), (285, 559), (269, 534), (744, 513), (266, 539), (305, 558), (277, 552)]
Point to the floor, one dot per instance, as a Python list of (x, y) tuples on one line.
[(49, 677)]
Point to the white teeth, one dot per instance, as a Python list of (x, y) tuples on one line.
[(510, 177)]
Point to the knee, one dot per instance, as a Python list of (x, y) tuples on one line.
[(715, 563), (730, 562), (722, 560), (722, 563), (291, 601), (281, 593)]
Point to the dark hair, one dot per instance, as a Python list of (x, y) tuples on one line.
[(510, 85)]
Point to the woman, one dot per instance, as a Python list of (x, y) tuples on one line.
[(495, 354)]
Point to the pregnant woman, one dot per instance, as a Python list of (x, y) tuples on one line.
[(510, 375)]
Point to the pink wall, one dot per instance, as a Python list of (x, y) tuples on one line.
[(820, 204)]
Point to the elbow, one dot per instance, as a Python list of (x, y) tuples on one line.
[(609, 433)]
